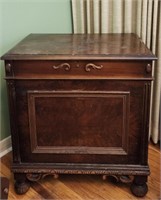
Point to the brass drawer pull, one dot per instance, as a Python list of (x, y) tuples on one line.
[(66, 66), (90, 66)]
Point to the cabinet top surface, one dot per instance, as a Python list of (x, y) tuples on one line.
[(80, 46)]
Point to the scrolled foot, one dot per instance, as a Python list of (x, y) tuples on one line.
[(139, 190), (22, 187)]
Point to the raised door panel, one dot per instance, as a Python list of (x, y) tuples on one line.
[(78, 122)]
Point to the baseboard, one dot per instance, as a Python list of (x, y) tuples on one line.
[(5, 146)]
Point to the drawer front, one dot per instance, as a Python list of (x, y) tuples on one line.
[(81, 121), (80, 69)]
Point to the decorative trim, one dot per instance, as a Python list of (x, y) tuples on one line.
[(8, 68), (118, 178), (37, 176), (90, 66), (46, 172), (34, 176), (87, 67), (72, 168), (66, 66), (5, 146), (148, 68)]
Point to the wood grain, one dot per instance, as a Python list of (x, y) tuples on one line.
[(79, 46), (85, 187), (79, 104)]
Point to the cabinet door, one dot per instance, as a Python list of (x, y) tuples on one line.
[(81, 121)]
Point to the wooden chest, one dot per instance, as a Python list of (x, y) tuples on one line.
[(79, 104)]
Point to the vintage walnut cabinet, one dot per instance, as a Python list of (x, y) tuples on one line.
[(79, 104)]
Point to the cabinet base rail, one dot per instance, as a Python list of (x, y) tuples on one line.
[(137, 182)]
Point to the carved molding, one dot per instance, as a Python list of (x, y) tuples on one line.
[(66, 66), (78, 171), (90, 66), (34, 176), (37, 176), (117, 178), (87, 67)]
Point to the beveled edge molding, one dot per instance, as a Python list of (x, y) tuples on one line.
[(82, 150)]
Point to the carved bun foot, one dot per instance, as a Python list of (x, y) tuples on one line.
[(22, 187), (139, 190)]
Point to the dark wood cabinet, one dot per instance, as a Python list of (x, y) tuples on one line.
[(79, 104)]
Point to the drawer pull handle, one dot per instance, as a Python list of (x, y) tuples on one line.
[(90, 66), (148, 68), (66, 66)]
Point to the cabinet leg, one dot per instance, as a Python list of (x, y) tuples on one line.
[(22, 185), (139, 187)]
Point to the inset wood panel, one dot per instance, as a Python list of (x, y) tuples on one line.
[(78, 122)]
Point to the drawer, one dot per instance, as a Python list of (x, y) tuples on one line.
[(64, 69)]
